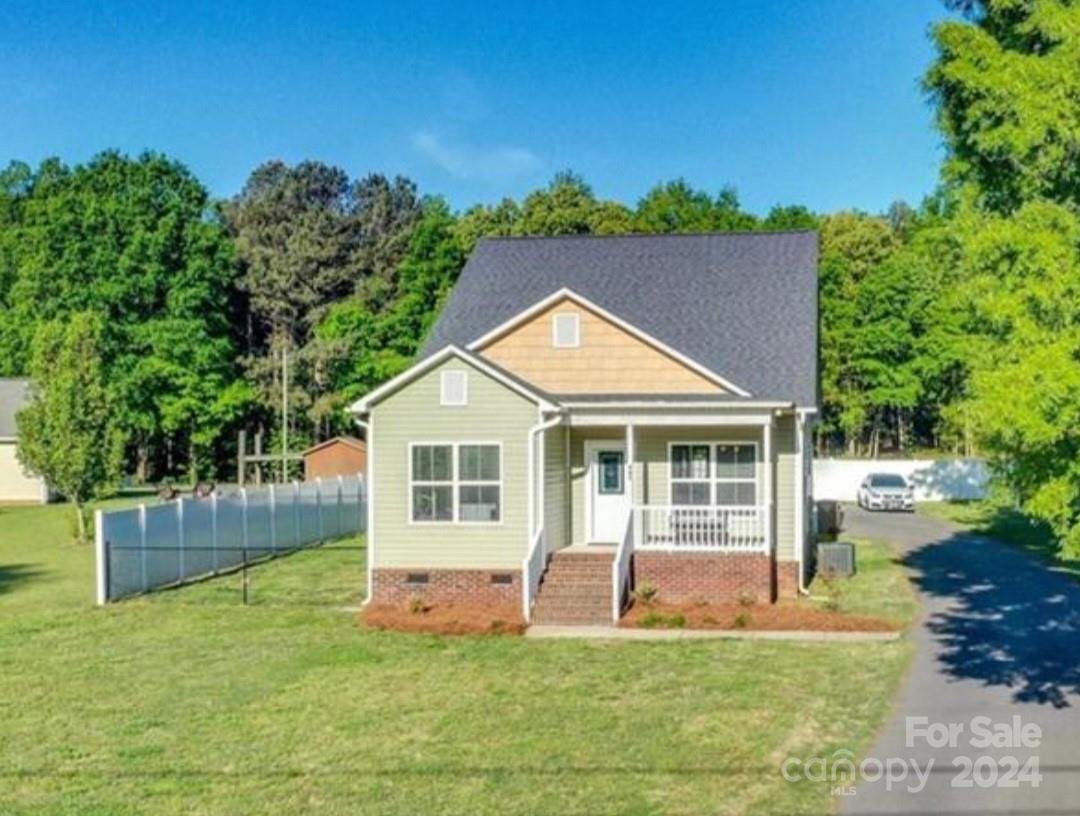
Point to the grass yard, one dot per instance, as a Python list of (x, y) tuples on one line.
[(879, 588), (188, 702), (1005, 524)]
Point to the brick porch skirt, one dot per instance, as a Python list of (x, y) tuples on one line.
[(682, 577), (399, 586)]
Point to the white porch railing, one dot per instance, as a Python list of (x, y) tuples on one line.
[(532, 570), (741, 529), (620, 567)]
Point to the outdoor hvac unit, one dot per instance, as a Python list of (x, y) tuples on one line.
[(836, 559)]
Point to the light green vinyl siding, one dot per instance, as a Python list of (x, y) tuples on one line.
[(556, 518), (786, 470), (413, 414)]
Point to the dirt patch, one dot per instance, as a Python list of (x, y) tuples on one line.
[(782, 616), (445, 619)]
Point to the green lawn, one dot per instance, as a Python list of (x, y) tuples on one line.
[(879, 587), (189, 702), (1005, 524)]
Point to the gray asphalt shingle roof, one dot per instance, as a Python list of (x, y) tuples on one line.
[(13, 395), (744, 305)]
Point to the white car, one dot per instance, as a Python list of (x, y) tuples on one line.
[(886, 491)]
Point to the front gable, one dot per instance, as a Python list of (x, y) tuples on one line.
[(609, 357)]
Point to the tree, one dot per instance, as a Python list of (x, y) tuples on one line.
[(134, 242), (675, 206), (367, 347), (1007, 91), (69, 433), (307, 238), (568, 206)]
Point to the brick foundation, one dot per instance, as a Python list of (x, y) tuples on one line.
[(464, 586), (787, 579), (681, 577)]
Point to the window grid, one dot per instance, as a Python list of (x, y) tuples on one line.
[(454, 482), (685, 470)]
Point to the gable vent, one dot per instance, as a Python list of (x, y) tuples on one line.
[(454, 388), (566, 331)]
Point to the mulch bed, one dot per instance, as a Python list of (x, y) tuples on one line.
[(782, 616), (445, 619)]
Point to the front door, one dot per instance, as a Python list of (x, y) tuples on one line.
[(607, 497)]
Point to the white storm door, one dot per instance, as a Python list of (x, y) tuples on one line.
[(607, 494)]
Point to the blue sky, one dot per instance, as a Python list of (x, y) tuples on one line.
[(791, 101)]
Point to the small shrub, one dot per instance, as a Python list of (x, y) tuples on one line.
[(417, 605), (834, 592), (645, 593), (742, 620), (677, 621)]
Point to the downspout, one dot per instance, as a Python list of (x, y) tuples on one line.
[(801, 415), (369, 526), (534, 433)]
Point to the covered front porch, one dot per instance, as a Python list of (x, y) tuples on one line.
[(685, 493)]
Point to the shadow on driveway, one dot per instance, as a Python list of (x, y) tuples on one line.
[(1007, 621)]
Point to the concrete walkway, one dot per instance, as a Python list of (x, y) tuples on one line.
[(618, 633), (999, 637)]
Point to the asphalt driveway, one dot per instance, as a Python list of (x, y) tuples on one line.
[(998, 638)]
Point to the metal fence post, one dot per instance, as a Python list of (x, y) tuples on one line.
[(102, 558), (273, 517), (318, 506), (142, 548), (213, 532), (337, 518), (244, 540), (180, 537), (296, 512)]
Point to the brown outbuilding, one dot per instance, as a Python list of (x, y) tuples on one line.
[(340, 456)]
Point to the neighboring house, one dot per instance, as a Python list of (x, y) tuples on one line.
[(15, 484), (591, 413), (340, 456)]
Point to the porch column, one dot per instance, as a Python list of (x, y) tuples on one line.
[(630, 463), (767, 499)]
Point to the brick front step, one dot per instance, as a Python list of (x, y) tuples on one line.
[(576, 589)]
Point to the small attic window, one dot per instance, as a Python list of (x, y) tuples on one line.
[(566, 330), (454, 388)]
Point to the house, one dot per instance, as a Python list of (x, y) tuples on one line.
[(594, 413), (15, 485), (340, 456)]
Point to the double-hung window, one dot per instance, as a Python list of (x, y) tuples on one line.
[(690, 473), (722, 474), (736, 474), (455, 482)]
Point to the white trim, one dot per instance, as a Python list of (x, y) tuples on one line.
[(770, 474), (569, 294), (800, 497), (667, 419), (712, 478), (364, 404), (368, 486), (667, 404), (454, 484), (444, 389), (576, 342), (590, 445)]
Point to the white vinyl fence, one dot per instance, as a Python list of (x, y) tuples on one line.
[(934, 479), (149, 547)]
